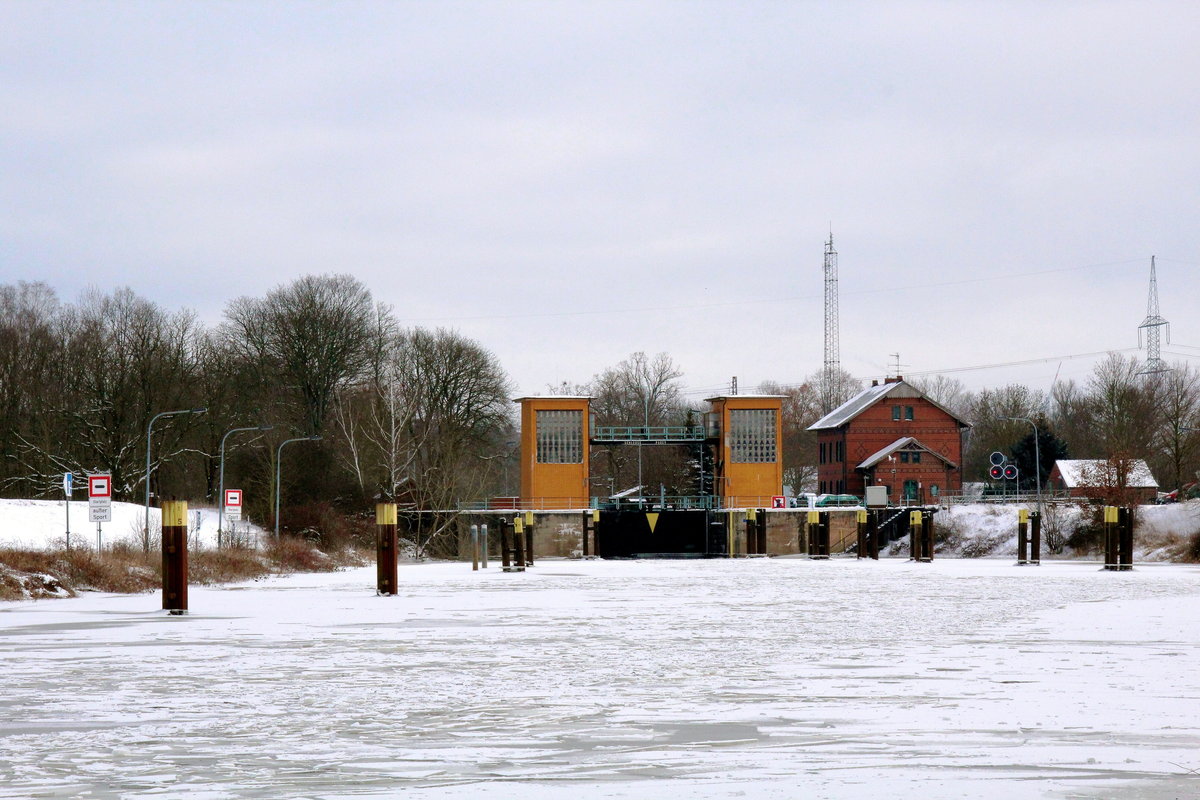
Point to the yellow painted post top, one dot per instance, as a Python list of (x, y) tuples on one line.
[(519, 525), (862, 515), (750, 515), (1111, 514), (595, 515), (385, 513), (814, 517), (1022, 515), (914, 518), (528, 517), (174, 513)]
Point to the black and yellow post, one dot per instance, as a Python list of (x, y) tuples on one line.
[(596, 532), (505, 561), (1125, 540), (529, 538), (914, 535), (811, 525), (860, 548), (1022, 536), (1111, 516), (518, 539), (873, 533), (1035, 538), (386, 575), (586, 529), (751, 533), (927, 537), (174, 556), (761, 531)]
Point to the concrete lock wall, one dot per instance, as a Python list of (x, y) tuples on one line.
[(558, 534)]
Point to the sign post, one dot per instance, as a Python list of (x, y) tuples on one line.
[(99, 501), (68, 478), (233, 504)]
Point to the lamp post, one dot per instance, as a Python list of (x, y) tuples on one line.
[(221, 482), (645, 435), (278, 471), (149, 429), (1037, 457)]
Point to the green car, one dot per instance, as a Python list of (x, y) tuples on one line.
[(826, 500)]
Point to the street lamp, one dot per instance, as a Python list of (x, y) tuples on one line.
[(278, 466), (149, 428), (221, 483), (1037, 457)]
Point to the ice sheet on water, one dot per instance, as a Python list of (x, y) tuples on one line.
[(763, 678)]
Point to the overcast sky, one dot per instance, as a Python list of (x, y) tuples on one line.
[(571, 182)]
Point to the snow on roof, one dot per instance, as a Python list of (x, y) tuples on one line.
[(852, 407), (869, 397), (899, 444), (1085, 472)]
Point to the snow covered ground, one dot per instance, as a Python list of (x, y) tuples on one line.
[(756, 678), (39, 524)]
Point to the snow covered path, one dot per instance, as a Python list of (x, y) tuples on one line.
[(775, 678)]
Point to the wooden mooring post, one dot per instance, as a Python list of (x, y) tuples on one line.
[(920, 536), (818, 535), (386, 574), (174, 556), (529, 528), (1022, 536), (1035, 538)]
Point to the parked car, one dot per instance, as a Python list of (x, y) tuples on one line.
[(827, 500)]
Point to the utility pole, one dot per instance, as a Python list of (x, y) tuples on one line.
[(832, 349), (1151, 325)]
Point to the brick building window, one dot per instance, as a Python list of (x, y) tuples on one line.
[(895, 413), (908, 413), (559, 436)]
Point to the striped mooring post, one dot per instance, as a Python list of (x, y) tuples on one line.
[(174, 556), (386, 573)]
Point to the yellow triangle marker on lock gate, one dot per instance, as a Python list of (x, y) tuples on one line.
[(652, 518)]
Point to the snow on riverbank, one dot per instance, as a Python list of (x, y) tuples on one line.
[(41, 524), (747, 678)]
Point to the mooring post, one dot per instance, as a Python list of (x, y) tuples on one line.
[(811, 523), (386, 576), (583, 542), (483, 545), (504, 548), (873, 533), (914, 535), (762, 531), (1022, 536), (518, 545), (1035, 538), (860, 549), (750, 533), (1111, 516), (1125, 543), (926, 537), (529, 523), (174, 556), (474, 548), (596, 532)]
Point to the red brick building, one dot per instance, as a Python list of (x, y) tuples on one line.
[(890, 434)]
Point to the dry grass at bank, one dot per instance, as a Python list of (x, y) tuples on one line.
[(38, 574)]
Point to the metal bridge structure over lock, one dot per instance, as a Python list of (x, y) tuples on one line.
[(650, 434)]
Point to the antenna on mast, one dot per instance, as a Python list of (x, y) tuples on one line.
[(1152, 324)]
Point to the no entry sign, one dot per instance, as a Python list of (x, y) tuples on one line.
[(233, 504), (100, 497)]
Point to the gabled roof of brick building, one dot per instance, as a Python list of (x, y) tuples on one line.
[(909, 443), (896, 389)]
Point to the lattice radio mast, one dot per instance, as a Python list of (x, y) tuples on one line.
[(1152, 325), (832, 356)]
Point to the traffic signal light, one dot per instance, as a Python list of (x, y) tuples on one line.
[(997, 472), (1010, 472)]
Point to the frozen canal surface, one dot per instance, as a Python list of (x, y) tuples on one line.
[(776, 678)]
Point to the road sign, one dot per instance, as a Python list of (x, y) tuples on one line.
[(997, 458), (233, 504), (68, 478), (100, 497), (778, 501)]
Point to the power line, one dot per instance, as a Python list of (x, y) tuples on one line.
[(758, 301)]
